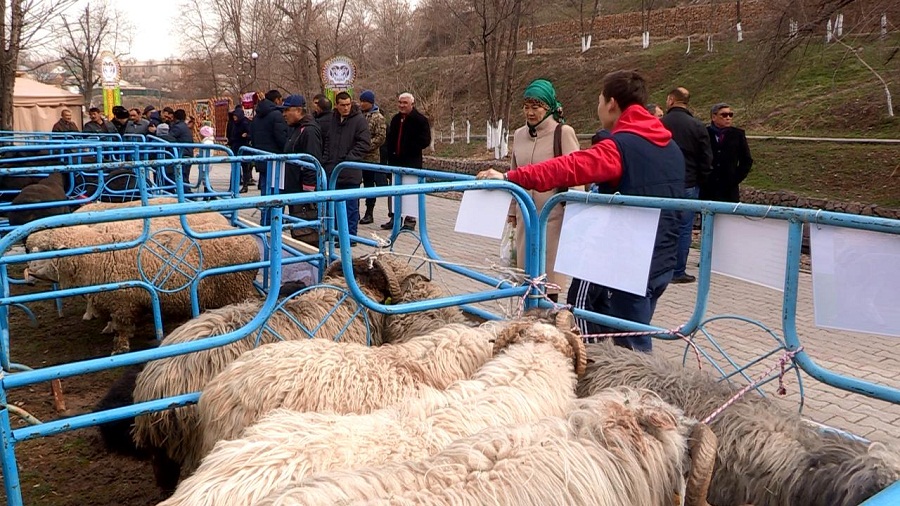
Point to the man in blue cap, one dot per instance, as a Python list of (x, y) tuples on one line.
[(304, 136), (378, 132)]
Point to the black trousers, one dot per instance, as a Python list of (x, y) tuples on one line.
[(373, 179)]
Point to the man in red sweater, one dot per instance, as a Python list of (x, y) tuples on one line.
[(635, 157)]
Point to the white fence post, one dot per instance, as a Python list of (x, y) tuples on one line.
[(828, 32), (529, 47), (884, 25), (468, 132), (839, 25), (689, 46), (452, 132), (489, 136), (740, 33), (709, 44), (793, 28), (646, 39)]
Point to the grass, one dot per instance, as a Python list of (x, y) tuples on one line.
[(821, 91)]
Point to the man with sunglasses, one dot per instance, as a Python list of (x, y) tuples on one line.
[(731, 157)]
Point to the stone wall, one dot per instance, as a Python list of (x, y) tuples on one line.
[(748, 195)]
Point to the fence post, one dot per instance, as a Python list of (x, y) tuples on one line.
[(468, 132), (452, 131)]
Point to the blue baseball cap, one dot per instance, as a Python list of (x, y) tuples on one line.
[(293, 101)]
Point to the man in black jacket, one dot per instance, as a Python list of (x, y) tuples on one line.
[(731, 157), (348, 139), (268, 131), (304, 136), (408, 134), (691, 136)]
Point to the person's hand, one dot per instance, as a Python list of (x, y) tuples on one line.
[(490, 174)]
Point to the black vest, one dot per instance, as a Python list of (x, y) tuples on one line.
[(649, 170)]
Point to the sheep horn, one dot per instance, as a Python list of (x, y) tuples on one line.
[(390, 277), (702, 448), (580, 358), (333, 270)]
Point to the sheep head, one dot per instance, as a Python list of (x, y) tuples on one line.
[(370, 272), (561, 335)]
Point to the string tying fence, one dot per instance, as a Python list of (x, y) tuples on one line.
[(786, 357), (596, 338)]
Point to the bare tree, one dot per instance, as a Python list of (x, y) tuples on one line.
[(497, 36), (395, 37), (97, 29), (20, 29), (587, 10), (202, 43)]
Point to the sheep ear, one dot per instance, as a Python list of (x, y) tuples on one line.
[(702, 447)]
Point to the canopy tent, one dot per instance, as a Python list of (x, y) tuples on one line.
[(37, 106)]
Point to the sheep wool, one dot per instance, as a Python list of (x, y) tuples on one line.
[(124, 307), (529, 380), (620, 447), (321, 375), (767, 456)]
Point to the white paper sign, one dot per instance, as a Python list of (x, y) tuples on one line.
[(751, 250), (410, 203), (608, 245), (856, 275), (483, 212)]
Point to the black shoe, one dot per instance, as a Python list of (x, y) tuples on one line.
[(367, 219), (684, 278), (409, 224), (244, 189), (389, 225)]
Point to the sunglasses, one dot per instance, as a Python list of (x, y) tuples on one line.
[(726, 114)]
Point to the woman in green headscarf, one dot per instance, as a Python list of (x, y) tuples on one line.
[(533, 143)]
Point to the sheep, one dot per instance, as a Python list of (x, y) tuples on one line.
[(126, 305), (416, 287), (619, 447), (532, 378), (341, 377), (172, 436), (49, 189), (767, 456)]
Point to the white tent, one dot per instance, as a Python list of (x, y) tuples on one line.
[(37, 106)]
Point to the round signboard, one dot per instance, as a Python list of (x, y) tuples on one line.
[(338, 73), (109, 69)]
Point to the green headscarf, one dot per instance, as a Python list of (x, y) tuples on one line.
[(543, 91)]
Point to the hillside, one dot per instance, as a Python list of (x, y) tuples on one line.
[(821, 91)]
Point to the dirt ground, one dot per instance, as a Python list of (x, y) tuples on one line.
[(72, 468)]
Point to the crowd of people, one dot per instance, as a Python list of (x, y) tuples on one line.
[(346, 130), (640, 150)]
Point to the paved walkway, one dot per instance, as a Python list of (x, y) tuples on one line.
[(868, 357)]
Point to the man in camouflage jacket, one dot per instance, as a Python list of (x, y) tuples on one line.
[(378, 131)]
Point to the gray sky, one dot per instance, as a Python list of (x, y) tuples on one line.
[(156, 33)]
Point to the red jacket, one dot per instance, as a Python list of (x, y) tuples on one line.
[(601, 163)]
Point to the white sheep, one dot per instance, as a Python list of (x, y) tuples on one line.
[(322, 375), (125, 306), (619, 447), (767, 456), (172, 436), (531, 379), (317, 375)]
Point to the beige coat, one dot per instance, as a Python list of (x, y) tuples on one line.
[(528, 150)]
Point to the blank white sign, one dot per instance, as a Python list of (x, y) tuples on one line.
[(410, 203), (751, 250), (483, 212), (608, 245), (856, 275)]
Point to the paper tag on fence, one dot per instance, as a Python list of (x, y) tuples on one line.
[(280, 167), (751, 250), (483, 212), (855, 278), (608, 245), (410, 203)]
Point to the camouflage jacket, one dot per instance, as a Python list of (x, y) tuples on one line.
[(378, 132)]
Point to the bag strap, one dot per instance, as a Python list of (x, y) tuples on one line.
[(557, 149), (557, 140)]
